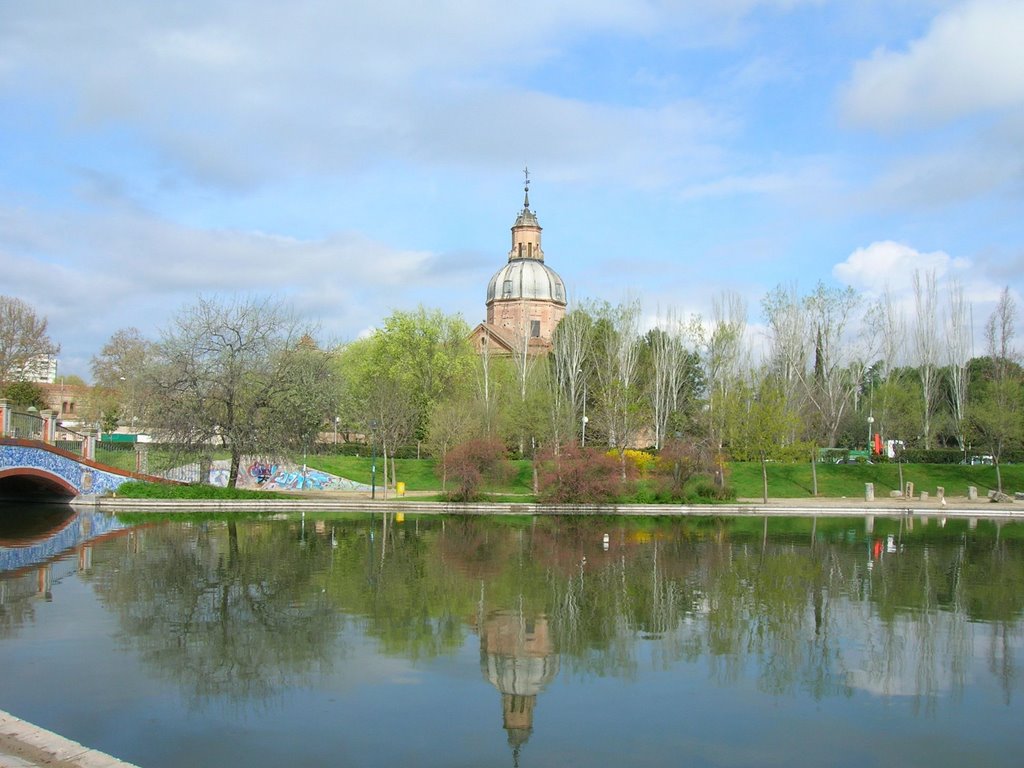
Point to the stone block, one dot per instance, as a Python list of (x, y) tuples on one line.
[(869, 491), (972, 493)]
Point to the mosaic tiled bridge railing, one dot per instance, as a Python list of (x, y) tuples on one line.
[(60, 473)]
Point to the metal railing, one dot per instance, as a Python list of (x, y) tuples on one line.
[(27, 426), (74, 444)]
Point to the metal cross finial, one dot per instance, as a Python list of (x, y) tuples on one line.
[(526, 186)]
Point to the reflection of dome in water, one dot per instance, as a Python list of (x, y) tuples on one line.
[(517, 657)]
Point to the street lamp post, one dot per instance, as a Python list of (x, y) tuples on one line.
[(871, 420), (584, 420), (336, 420)]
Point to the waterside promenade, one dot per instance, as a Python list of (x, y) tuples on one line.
[(327, 501), (23, 745)]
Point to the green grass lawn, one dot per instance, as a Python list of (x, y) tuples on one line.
[(790, 481), (143, 490), (785, 481), (417, 474)]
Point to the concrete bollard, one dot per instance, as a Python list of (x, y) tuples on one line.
[(924, 495), (972, 493), (940, 493), (869, 491), (908, 490)]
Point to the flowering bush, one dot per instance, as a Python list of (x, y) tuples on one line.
[(470, 464), (578, 475)]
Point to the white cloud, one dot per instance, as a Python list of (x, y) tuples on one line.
[(240, 95), (887, 264), (90, 276), (970, 60)]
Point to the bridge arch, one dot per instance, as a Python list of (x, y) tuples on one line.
[(22, 482)]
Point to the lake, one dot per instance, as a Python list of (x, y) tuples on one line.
[(365, 640)]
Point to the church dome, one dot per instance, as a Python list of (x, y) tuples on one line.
[(526, 279)]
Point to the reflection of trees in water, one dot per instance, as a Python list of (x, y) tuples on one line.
[(812, 616), (812, 606), (226, 610)]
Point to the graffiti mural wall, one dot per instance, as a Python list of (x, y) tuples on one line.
[(266, 474)]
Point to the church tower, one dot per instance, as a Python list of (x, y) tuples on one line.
[(525, 298)]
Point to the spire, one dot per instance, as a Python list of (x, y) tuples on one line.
[(526, 188)]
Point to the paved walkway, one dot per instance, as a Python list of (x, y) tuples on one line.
[(23, 745)]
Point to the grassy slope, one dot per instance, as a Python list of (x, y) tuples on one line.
[(788, 481), (784, 480), (417, 474)]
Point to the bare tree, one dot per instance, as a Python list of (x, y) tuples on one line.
[(959, 351), (725, 359), (838, 367), (619, 408), (669, 359), (787, 329), (887, 321), (243, 376), (571, 353), (120, 367), (23, 339), (926, 347), (997, 416)]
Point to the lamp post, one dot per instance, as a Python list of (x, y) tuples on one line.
[(336, 420), (373, 459), (584, 420), (871, 420)]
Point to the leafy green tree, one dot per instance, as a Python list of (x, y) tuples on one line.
[(25, 394), (393, 379), (762, 426), (427, 352)]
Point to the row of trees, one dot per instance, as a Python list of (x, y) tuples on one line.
[(828, 370)]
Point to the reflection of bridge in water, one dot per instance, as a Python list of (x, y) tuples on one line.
[(33, 558)]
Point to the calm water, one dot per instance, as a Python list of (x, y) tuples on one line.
[(345, 641)]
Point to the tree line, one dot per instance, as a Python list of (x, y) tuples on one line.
[(828, 370)]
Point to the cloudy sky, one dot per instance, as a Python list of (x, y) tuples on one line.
[(356, 158)]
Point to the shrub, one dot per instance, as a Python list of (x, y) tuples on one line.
[(470, 464), (704, 488), (578, 475), (639, 463), (676, 464)]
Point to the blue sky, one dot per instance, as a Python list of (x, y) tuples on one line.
[(360, 158)]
